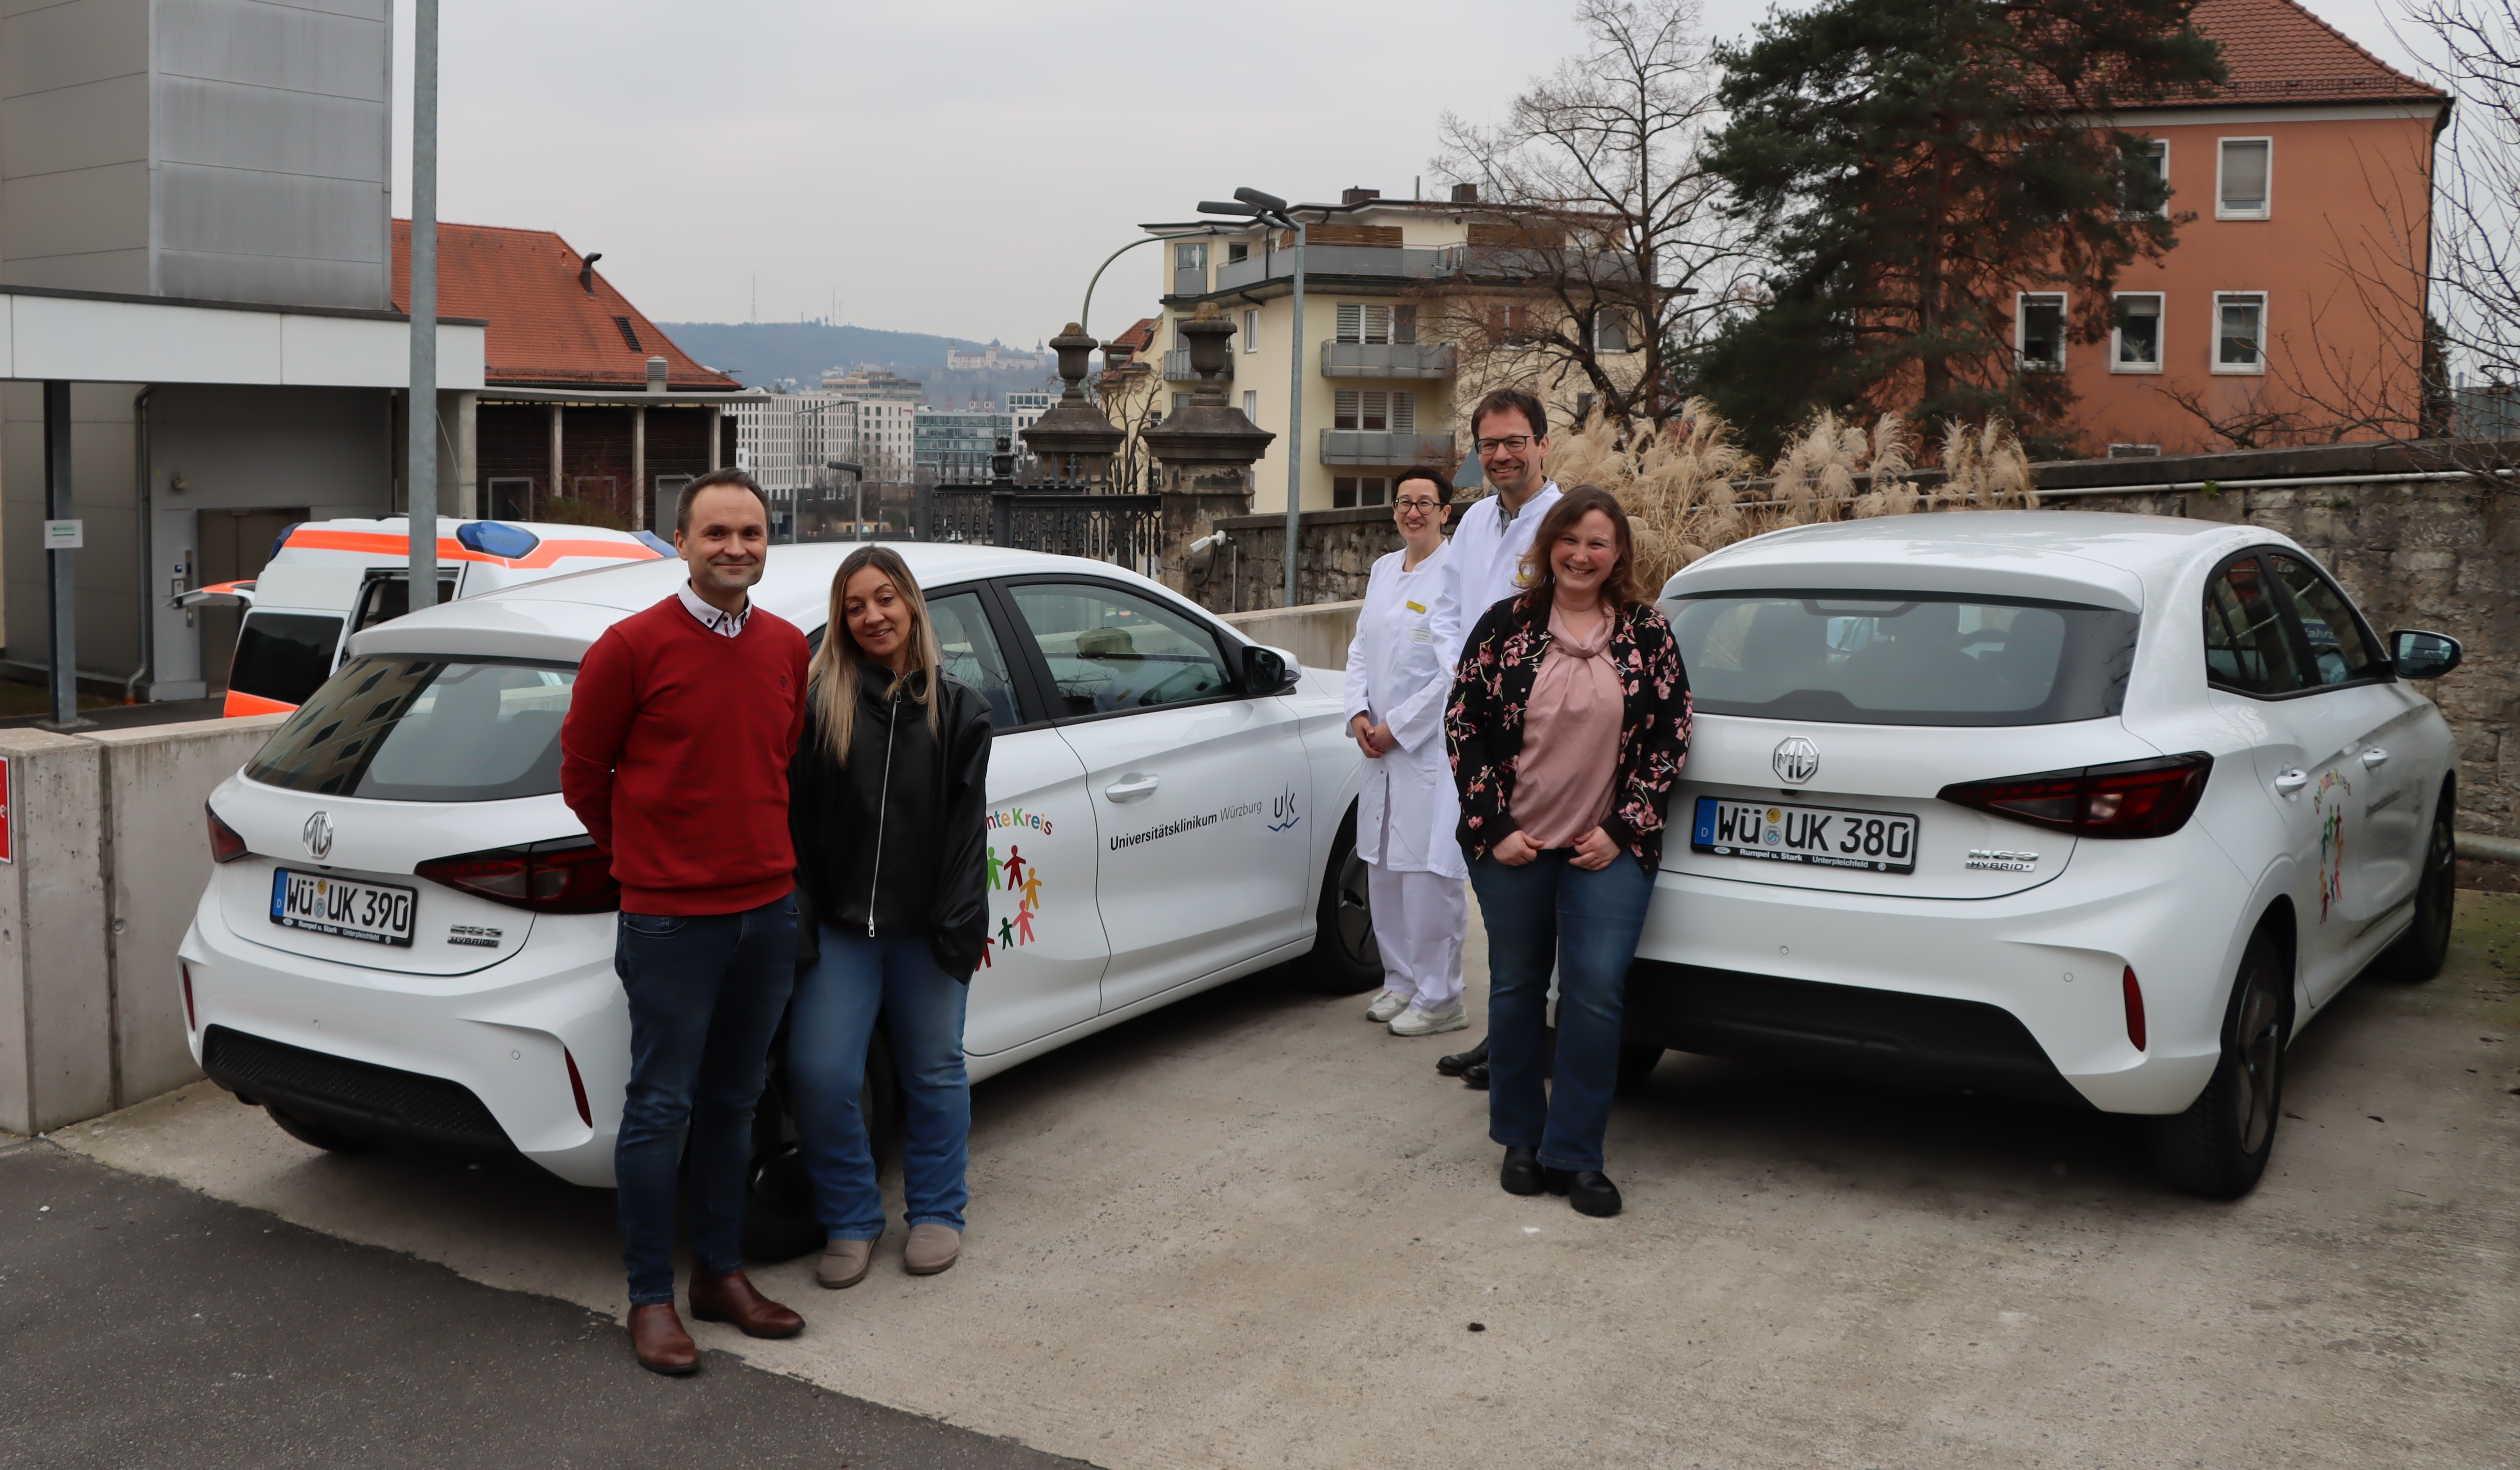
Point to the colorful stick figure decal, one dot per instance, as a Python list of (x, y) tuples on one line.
[(2331, 841), (1019, 880)]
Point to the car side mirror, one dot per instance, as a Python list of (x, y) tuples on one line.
[(1266, 671), (2423, 655)]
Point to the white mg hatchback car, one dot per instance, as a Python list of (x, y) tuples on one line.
[(2087, 808), (408, 938)]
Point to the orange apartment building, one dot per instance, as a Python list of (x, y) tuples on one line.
[(2293, 302)]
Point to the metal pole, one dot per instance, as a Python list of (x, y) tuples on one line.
[(60, 567), (422, 464), (1295, 420)]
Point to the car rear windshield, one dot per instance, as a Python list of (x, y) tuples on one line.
[(1902, 658), (424, 729), (284, 656)]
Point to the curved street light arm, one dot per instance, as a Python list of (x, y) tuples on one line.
[(1085, 314)]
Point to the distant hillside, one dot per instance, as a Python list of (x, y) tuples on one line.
[(764, 352)]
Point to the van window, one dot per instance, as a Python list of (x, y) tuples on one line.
[(424, 729), (284, 656), (1902, 658)]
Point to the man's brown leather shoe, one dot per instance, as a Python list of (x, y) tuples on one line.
[(657, 1335), (731, 1298)]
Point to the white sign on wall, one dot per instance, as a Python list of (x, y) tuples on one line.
[(64, 535)]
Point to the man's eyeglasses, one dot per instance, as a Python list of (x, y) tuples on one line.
[(1413, 505), (1511, 444)]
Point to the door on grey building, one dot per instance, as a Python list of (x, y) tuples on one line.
[(234, 545)]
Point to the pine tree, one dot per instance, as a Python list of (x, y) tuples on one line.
[(1911, 165)]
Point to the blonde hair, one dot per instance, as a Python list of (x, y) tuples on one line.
[(833, 680)]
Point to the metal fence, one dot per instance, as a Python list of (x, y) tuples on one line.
[(1037, 509)]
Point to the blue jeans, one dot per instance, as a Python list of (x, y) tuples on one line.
[(838, 1000), (1587, 923), (706, 991)]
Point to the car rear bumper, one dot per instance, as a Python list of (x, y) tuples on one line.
[(2020, 994), (472, 1065)]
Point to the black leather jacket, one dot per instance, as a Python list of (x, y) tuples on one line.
[(894, 842)]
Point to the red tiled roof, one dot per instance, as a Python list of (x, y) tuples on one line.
[(1140, 338), (545, 329), (2280, 55)]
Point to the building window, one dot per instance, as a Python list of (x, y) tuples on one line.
[(1251, 331), (1237, 251), (2243, 182), (1610, 331), (2240, 332), (1252, 405), (2039, 328), (1358, 323), (1191, 257), (2149, 164), (1375, 412), (1180, 401), (1509, 326), (1348, 491), (2134, 335)]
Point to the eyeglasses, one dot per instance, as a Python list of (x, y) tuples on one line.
[(1511, 444), (1421, 506)]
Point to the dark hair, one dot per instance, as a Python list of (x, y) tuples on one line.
[(1443, 482), (1511, 401), (711, 481), (1619, 587)]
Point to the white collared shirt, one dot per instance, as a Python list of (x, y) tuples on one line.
[(1487, 561), (723, 624)]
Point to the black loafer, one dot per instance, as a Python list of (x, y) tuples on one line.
[(1455, 1064), (1589, 1190), (1475, 1077), (1521, 1172)]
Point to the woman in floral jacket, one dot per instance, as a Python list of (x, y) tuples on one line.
[(1568, 723)]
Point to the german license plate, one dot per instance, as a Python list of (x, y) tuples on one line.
[(377, 912), (1778, 832)]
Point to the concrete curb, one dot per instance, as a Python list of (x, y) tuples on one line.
[(2488, 849)]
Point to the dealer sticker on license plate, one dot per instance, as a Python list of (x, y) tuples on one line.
[(1776, 831), (377, 912)]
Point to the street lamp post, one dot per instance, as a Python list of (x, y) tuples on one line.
[(1269, 210), (420, 442)]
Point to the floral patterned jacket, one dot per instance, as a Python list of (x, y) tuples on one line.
[(1483, 723)]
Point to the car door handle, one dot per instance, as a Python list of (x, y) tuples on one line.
[(2290, 779), (2374, 758), (1133, 785)]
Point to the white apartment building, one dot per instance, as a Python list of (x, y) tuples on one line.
[(783, 438), (886, 429), (1026, 409)]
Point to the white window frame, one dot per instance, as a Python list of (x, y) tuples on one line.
[(2064, 307), (2267, 208), (2160, 333), (1251, 328), (1615, 316), (2257, 368)]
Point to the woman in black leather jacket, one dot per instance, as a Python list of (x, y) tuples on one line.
[(886, 800)]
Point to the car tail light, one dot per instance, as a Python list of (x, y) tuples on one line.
[(577, 1088), (567, 876), (191, 1021), (225, 845), (2129, 799), (2134, 1010)]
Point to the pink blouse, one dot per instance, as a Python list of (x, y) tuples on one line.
[(1569, 766)]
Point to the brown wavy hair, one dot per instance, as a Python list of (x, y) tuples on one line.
[(1619, 587), (832, 682)]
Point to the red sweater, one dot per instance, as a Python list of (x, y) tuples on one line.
[(675, 755)]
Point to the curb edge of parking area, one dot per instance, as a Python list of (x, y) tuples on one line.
[(2476, 846)]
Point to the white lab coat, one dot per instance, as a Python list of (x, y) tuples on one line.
[(1397, 673), (1487, 561)]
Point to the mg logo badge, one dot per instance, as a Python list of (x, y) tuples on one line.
[(1796, 760), (319, 835)]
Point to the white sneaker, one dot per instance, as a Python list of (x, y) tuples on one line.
[(1449, 1016), (1387, 1004)]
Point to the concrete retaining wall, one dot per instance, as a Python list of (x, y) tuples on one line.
[(111, 853), (1317, 635)]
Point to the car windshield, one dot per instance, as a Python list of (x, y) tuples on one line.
[(424, 729), (1902, 658)]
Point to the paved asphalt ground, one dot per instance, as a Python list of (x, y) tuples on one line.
[(1253, 1229), (142, 1325)]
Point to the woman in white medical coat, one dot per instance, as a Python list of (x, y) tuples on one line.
[(1397, 684)]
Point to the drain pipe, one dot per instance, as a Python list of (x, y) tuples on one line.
[(143, 499)]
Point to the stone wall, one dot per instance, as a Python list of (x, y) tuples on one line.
[(1338, 551)]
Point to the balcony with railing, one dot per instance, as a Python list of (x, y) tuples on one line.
[(1388, 262), (1388, 359), (1177, 368), (1346, 446)]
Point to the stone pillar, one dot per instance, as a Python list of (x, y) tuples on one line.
[(57, 1015), (1208, 448), (559, 485)]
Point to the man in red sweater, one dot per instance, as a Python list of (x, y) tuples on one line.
[(675, 755)]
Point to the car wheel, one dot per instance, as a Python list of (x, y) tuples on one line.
[(1636, 1062), (780, 1220), (2420, 952), (2218, 1147), (321, 1135), (1345, 959)]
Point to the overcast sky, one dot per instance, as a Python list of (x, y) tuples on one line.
[(957, 166)]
